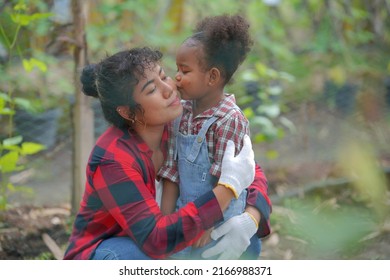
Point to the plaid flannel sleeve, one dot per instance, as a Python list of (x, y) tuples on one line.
[(258, 198), (234, 128)]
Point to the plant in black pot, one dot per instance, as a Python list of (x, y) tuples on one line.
[(17, 61), (25, 75)]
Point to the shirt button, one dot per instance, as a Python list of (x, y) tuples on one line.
[(199, 139)]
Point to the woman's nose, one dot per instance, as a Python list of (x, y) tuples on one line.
[(170, 86)]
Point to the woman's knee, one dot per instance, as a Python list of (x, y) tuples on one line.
[(119, 248)]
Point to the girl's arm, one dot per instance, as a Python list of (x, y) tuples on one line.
[(170, 194)]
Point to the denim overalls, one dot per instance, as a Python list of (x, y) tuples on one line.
[(194, 164)]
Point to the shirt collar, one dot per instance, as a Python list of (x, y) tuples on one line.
[(228, 101), (143, 147)]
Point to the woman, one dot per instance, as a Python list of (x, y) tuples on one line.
[(119, 217)]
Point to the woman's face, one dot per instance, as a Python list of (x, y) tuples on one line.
[(157, 94), (191, 79)]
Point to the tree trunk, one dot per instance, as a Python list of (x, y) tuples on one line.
[(83, 127)]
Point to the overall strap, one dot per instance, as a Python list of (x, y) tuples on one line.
[(176, 126), (197, 144)]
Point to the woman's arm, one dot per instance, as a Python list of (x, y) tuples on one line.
[(258, 198), (134, 208)]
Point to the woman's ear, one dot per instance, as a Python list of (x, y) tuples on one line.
[(124, 112), (214, 76)]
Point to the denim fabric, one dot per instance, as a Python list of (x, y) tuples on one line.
[(194, 165), (119, 248)]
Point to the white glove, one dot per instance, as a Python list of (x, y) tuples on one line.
[(237, 173), (236, 232)]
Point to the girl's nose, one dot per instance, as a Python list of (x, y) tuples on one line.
[(178, 77)]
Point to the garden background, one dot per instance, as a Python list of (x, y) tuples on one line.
[(315, 87)]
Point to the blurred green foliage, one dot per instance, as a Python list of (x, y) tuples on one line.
[(12, 148), (299, 45), (329, 226)]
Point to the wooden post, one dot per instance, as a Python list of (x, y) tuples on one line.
[(83, 127)]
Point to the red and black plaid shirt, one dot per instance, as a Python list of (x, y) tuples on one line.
[(119, 200)]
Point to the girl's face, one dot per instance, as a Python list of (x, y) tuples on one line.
[(157, 94), (191, 80)]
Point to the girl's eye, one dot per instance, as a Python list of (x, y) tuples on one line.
[(164, 78)]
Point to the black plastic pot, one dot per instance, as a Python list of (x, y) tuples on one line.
[(40, 128)]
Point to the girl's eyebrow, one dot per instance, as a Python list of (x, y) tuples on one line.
[(151, 81)]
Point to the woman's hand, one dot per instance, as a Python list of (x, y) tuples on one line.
[(204, 239), (238, 172), (236, 234)]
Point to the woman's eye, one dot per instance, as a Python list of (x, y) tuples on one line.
[(154, 88), (164, 78)]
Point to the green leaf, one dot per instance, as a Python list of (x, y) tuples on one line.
[(248, 112), (12, 188), (261, 69), (38, 16), (25, 19), (5, 97), (12, 141), (9, 161), (288, 124), (3, 203), (23, 103), (286, 76), (262, 121), (7, 111), (30, 148), (275, 90), (272, 110), (272, 154), (249, 75), (259, 138), (11, 148), (29, 64), (21, 6), (21, 19)]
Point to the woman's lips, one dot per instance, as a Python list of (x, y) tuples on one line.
[(175, 102)]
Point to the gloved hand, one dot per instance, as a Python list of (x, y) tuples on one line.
[(236, 234), (237, 173)]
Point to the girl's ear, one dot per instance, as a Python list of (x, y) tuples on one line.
[(214, 76)]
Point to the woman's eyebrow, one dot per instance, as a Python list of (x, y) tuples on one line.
[(151, 81)]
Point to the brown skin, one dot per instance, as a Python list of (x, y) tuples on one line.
[(204, 87)]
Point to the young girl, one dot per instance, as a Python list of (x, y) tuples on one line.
[(206, 62)]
